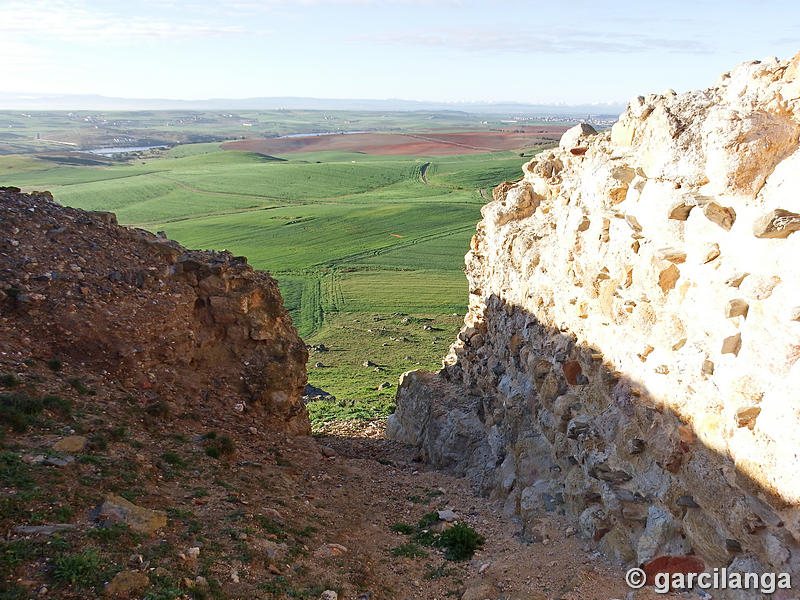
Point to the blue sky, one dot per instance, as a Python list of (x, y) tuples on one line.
[(565, 51)]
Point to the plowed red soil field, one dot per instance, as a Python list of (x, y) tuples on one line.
[(409, 144)]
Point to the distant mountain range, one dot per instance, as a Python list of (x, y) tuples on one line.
[(16, 101)]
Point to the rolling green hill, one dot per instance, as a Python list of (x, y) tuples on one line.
[(365, 251)]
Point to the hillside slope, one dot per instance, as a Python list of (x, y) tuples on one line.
[(140, 312)]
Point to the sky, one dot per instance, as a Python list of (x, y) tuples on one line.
[(531, 51)]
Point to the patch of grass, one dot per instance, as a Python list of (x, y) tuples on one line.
[(271, 527), (63, 514), (217, 447), (173, 458), (80, 387), (13, 591), (226, 445), (403, 528), (19, 411), (305, 532), (426, 537), (159, 550), (134, 494), (460, 542), (98, 441), (157, 408), (14, 553), (432, 573), (409, 550), (322, 411), (9, 380), (428, 519), (54, 365), (118, 433), (82, 569), (163, 588), (14, 473), (118, 534)]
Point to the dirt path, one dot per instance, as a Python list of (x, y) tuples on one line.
[(382, 485), (423, 173)]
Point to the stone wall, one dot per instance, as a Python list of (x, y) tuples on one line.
[(165, 324), (630, 353)]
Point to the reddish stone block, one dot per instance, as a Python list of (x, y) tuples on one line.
[(571, 370), (672, 564)]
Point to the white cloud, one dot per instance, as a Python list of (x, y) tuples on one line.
[(75, 22), (551, 41)]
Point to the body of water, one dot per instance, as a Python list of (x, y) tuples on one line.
[(120, 150)]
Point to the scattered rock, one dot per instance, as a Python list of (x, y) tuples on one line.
[(720, 215), (329, 595), (57, 461), (329, 550), (687, 501), (447, 515), (574, 139), (327, 451), (673, 255), (746, 416), (72, 443), (737, 307), (315, 394), (777, 224), (117, 509), (127, 583), (732, 344), (43, 529)]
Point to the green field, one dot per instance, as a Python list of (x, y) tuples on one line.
[(365, 252)]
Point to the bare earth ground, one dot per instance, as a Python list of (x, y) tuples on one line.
[(262, 516), (409, 144), (387, 484)]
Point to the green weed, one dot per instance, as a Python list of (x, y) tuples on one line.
[(84, 569), (460, 542), (403, 528), (409, 550)]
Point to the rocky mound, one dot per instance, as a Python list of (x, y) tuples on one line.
[(630, 355), (159, 322)]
